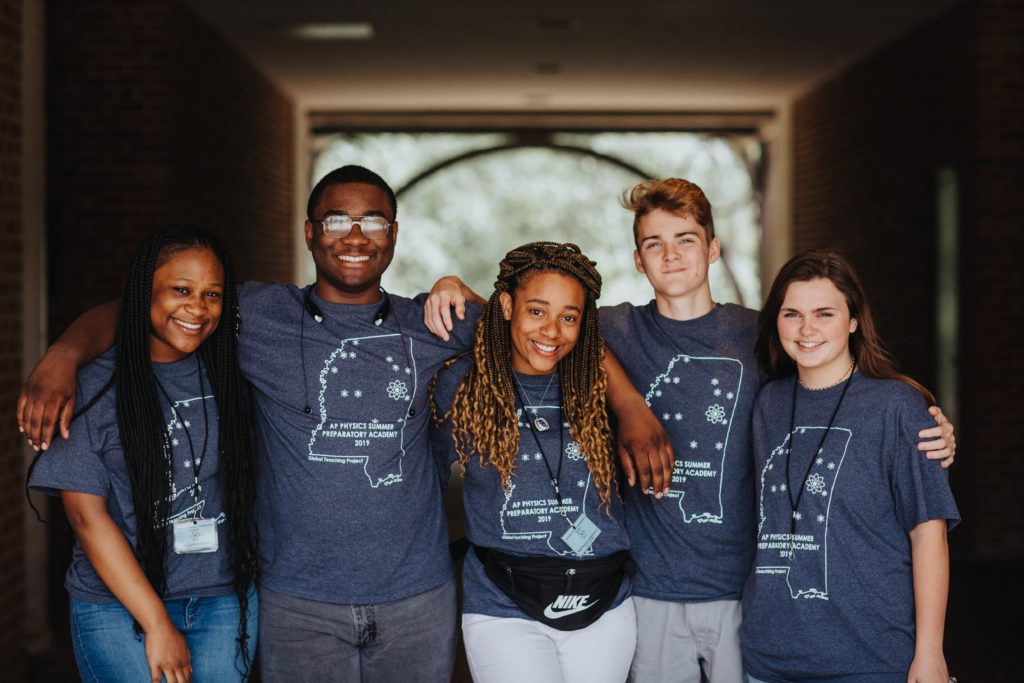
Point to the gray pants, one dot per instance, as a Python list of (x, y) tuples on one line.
[(412, 639), (675, 641)]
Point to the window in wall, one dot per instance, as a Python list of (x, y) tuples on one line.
[(465, 199)]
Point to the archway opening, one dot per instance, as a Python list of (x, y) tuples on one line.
[(467, 198)]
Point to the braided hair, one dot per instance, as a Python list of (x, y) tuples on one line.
[(141, 420), (483, 412)]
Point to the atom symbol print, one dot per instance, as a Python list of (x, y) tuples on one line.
[(803, 556), (695, 397)]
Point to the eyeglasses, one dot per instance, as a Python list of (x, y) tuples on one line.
[(340, 225)]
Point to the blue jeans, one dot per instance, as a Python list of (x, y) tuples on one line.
[(409, 640), (108, 651)]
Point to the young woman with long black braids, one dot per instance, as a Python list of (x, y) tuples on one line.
[(157, 478)]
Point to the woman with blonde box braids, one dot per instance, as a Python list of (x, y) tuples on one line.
[(546, 586)]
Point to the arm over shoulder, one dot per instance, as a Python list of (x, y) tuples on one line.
[(920, 486)]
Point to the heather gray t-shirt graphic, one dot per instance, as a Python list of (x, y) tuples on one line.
[(349, 503), (92, 461), (364, 407), (532, 513), (713, 385), (803, 556), (700, 378)]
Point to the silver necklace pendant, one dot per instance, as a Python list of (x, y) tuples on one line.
[(539, 423)]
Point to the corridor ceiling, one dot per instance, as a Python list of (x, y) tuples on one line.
[(569, 55)]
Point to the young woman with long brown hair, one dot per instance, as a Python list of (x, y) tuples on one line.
[(851, 572)]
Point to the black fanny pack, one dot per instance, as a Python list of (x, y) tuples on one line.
[(564, 594)]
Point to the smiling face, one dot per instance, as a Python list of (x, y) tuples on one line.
[(348, 269), (186, 304), (814, 326), (674, 253), (545, 315)]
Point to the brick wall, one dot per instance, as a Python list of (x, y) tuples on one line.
[(109, 165), (867, 146), (234, 152), (11, 528), (153, 118), (992, 245)]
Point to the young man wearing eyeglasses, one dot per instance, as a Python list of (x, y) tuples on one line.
[(356, 580)]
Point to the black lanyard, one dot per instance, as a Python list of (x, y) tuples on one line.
[(197, 463), (794, 504), (556, 476)]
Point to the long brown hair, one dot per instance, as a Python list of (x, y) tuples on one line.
[(483, 412), (873, 360)]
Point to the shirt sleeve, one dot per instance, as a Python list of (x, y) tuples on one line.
[(247, 293), (73, 464), (615, 327), (920, 486), (260, 305)]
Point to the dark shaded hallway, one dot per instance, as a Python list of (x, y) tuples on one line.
[(117, 116)]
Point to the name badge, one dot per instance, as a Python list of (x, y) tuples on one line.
[(581, 535), (195, 536)]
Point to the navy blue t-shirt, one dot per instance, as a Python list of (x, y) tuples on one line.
[(700, 378), (843, 607), (527, 521), (349, 506), (92, 461)]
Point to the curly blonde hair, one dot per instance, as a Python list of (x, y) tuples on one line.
[(483, 412)]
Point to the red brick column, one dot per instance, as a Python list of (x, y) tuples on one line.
[(11, 526), (867, 146)]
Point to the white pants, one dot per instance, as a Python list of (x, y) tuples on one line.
[(675, 640), (509, 650)]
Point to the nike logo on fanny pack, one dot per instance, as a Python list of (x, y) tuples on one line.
[(564, 605)]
